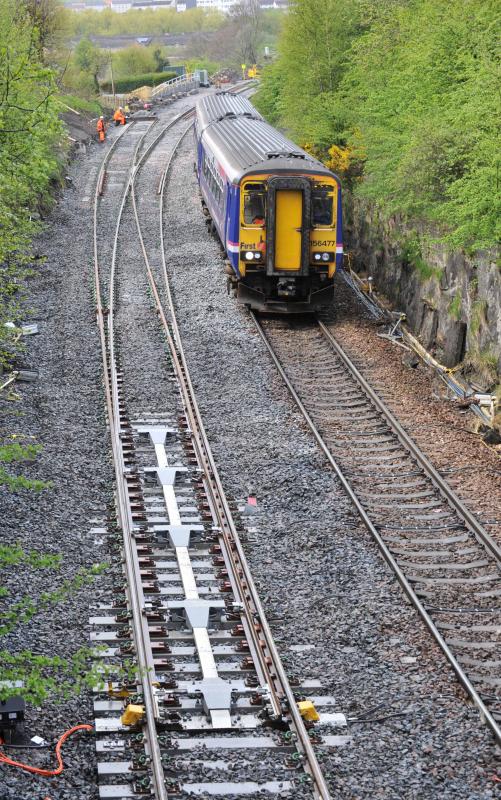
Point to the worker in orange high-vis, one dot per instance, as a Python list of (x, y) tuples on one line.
[(101, 129), (119, 116)]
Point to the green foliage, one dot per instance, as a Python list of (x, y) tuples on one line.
[(50, 677), (413, 257), (138, 60), (477, 318), (269, 99), (123, 85), (202, 63), (13, 555), (87, 62), (15, 452), (413, 87), (455, 306), (301, 86), (42, 676), (139, 23), (24, 610), (481, 366), (30, 158), (30, 133)]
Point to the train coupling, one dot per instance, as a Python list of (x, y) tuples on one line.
[(286, 287)]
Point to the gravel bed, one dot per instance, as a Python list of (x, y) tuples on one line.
[(324, 584), (63, 410)]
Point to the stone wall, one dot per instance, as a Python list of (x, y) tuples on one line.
[(452, 300)]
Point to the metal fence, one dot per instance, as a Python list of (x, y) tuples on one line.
[(182, 84)]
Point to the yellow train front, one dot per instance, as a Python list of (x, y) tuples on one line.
[(276, 209)]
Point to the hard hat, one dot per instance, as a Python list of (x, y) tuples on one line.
[(101, 117)]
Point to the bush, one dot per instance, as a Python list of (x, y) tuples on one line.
[(138, 60), (411, 88), (129, 84)]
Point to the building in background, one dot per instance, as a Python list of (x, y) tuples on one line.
[(226, 5), (217, 5), (120, 6), (283, 5)]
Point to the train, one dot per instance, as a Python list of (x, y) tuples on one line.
[(275, 208)]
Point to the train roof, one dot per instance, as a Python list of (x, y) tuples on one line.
[(215, 107), (244, 143)]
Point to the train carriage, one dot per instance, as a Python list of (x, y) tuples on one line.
[(276, 209)]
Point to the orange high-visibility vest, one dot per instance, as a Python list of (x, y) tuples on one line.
[(101, 130)]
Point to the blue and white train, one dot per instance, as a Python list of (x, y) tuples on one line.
[(276, 209)]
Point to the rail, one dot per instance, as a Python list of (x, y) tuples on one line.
[(450, 496), (124, 514)]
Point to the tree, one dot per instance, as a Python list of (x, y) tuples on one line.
[(48, 18), (90, 60), (246, 21), (408, 91)]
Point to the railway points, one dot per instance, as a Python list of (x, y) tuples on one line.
[(177, 526)]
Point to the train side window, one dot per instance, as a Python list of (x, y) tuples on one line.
[(321, 208), (254, 208)]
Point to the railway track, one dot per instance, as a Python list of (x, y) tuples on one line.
[(443, 558), (188, 651)]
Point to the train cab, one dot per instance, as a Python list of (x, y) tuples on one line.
[(279, 217)]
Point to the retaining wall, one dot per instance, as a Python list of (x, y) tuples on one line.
[(452, 300)]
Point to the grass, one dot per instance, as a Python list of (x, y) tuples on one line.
[(91, 107), (482, 367)]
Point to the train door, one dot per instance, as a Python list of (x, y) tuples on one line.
[(288, 226), (288, 229)]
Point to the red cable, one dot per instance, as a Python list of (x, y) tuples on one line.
[(48, 773)]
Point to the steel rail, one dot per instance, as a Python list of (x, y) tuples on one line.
[(110, 378), (134, 587), (445, 490), (215, 492), (485, 714), (97, 278), (246, 588), (187, 394)]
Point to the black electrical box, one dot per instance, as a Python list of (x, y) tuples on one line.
[(11, 712)]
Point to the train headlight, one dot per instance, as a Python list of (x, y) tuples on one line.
[(249, 255), (317, 256), (257, 255), (325, 256)]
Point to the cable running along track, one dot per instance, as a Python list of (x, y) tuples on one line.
[(189, 543), (444, 560)]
